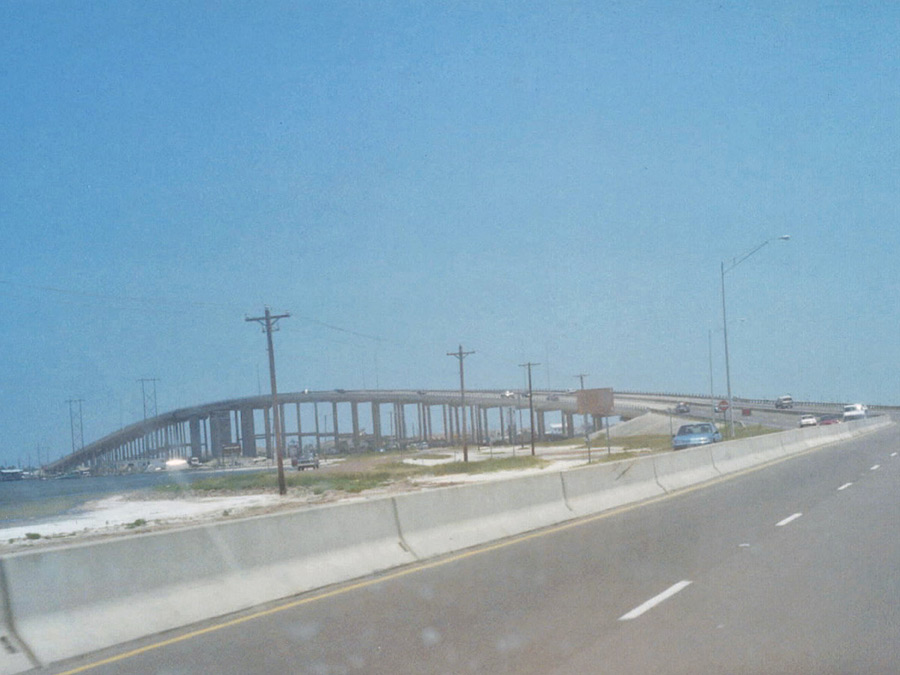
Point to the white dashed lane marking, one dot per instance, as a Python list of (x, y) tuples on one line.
[(655, 600), (845, 486), (787, 520)]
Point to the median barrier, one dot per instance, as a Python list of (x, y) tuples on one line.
[(439, 521), (599, 487), (74, 600), (738, 455), (798, 440), (13, 657), (70, 601), (676, 470), (869, 424)]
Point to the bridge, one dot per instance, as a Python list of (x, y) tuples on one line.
[(358, 420), (348, 420)]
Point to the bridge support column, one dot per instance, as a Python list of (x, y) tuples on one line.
[(318, 433), (334, 424), (248, 433), (376, 423), (299, 429), (194, 432), (400, 422), (219, 430), (354, 413)]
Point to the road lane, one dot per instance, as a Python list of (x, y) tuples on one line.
[(818, 596)]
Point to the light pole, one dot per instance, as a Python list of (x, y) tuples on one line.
[(734, 263)]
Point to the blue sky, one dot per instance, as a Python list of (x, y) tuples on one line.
[(555, 182)]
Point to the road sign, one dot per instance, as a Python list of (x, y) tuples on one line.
[(723, 405), (597, 402)]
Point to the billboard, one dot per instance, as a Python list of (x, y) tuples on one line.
[(597, 402)]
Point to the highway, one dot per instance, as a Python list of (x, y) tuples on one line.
[(792, 568)]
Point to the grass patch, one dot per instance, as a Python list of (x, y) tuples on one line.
[(140, 522), (653, 442), (433, 455), (485, 466), (351, 482), (31, 535)]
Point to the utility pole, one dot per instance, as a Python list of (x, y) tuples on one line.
[(149, 396), (268, 323), (462, 393), (76, 425), (530, 365)]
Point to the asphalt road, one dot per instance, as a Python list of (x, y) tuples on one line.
[(794, 568)]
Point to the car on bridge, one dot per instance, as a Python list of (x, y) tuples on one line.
[(855, 411), (692, 435), (783, 402), (682, 407)]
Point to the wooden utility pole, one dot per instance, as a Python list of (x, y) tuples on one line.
[(268, 323), (462, 394), (530, 365)]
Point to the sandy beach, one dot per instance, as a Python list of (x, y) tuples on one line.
[(134, 513)]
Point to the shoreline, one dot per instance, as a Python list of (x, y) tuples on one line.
[(136, 512)]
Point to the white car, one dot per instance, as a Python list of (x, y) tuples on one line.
[(855, 411), (808, 421)]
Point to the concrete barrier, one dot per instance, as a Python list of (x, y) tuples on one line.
[(141, 585), (596, 488), (676, 470), (450, 519), (731, 456)]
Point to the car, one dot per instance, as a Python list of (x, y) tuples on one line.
[(808, 421), (829, 419), (682, 407), (783, 402), (508, 394), (307, 460), (691, 435), (855, 411)]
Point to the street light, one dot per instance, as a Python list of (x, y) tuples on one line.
[(734, 263)]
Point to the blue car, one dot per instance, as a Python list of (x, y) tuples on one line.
[(691, 435)]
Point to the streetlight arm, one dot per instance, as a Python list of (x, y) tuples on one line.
[(737, 261)]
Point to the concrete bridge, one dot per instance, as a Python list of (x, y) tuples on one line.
[(347, 420)]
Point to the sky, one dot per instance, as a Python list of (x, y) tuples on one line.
[(548, 182)]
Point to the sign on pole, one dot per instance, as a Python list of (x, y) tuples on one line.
[(598, 402)]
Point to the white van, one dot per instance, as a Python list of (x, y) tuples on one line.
[(855, 411), (784, 402)]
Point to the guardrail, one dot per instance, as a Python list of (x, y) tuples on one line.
[(143, 584)]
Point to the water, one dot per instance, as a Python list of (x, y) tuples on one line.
[(33, 501)]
